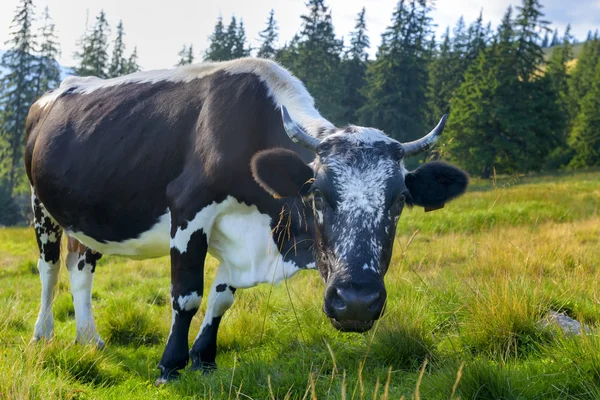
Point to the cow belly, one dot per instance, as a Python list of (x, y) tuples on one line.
[(241, 239), (149, 244)]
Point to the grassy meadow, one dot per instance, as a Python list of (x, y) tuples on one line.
[(467, 288)]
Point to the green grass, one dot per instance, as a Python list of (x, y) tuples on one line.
[(467, 287)]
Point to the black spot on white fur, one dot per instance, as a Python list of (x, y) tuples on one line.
[(221, 288)]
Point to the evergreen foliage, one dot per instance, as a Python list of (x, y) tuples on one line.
[(19, 88), (397, 79), (118, 63), (269, 38), (354, 69), (94, 53), (510, 109), (46, 68)]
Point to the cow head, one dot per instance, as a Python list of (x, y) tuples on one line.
[(356, 188)]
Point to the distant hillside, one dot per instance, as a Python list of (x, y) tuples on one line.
[(64, 71), (576, 50)]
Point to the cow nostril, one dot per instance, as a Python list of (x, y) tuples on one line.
[(337, 301)]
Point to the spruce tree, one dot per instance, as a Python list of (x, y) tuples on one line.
[(47, 70), (442, 79), (354, 68), (318, 59), (268, 38), (231, 39), (118, 63), (558, 77), (528, 24), (505, 115), (396, 87), (190, 55), (18, 89), (546, 40), (555, 39), (585, 138), (240, 47), (583, 74), (217, 49), (182, 56), (132, 62), (94, 55)]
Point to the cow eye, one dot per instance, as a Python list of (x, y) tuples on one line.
[(318, 199)]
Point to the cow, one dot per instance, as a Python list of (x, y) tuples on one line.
[(228, 158)]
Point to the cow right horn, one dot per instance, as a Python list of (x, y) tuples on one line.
[(296, 133)]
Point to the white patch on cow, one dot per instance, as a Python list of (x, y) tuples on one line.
[(361, 135), (241, 238), (190, 301), (203, 220), (283, 87), (81, 289), (218, 302), (149, 244), (44, 326)]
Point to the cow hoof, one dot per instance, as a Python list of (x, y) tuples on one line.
[(99, 343), (37, 339), (205, 367), (166, 377)]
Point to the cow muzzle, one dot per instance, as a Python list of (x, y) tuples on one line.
[(352, 307)]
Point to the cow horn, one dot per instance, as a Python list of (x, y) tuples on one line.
[(426, 142), (296, 133)]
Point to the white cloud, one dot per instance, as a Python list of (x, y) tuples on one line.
[(159, 29)]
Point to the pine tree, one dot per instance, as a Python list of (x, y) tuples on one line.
[(477, 39), (354, 68), (442, 79), (268, 38), (94, 55), (240, 47), (46, 69), (583, 74), (132, 62), (217, 49), (118, 63), (318, 59), (505, 115), (397, 80), (585, 138), (231, 38), (546, 40), (19, 89), (528, 24), (182, 56), (558, 77), (555, 39), (190, 55)]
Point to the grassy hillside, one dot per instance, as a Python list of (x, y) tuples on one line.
[(467, 289)]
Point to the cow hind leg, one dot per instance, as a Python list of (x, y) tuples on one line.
[(220, 299), (81, 266), (48, 234)]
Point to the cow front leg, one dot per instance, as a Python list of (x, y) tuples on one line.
[(81, 266), (220, 299), (189, 244), (48, 234)]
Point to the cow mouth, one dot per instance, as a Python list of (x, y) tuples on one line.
[(351, 325)]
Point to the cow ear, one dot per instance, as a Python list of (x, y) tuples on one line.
[(281, 172), (435, 183)]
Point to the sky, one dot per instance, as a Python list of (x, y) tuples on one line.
[(159, 29)]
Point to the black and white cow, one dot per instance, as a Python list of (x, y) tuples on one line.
[(195, 160)]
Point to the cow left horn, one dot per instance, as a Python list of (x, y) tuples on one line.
[(296, 133), (426, 142)]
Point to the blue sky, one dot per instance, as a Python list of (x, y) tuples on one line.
[(160, 28)]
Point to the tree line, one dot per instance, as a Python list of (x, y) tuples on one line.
[(512, 109)]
